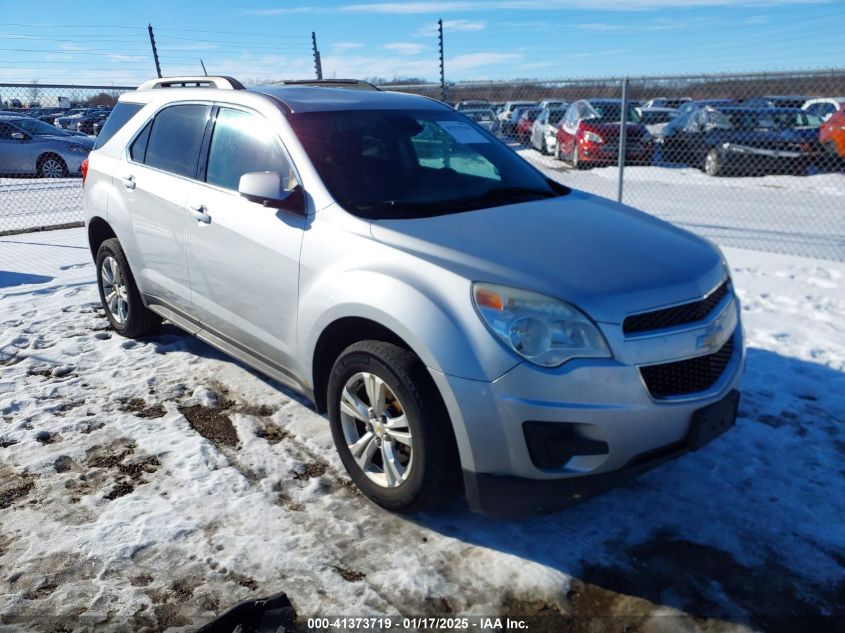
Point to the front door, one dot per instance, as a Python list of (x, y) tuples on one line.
[(243, 257)]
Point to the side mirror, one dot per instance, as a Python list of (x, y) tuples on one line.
[(19, 136), (265, 187)]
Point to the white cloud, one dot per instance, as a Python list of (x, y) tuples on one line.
[(406, 48), (345, 46), (445, 6), (452, 26)]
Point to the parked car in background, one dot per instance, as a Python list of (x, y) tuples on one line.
[(508, 118), (523, 126), (31, 147), (655, 119), (666, 102), (485, 117), (51, 117), (550, 103), (778, 101), (686, 110), (86, 122), (54, 119), (823, 107), (832, 133), (472, 104), (71, 120), (743, 141), (544, 129), (589, 134)]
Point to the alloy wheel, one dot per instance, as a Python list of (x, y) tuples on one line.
[(376, 430), (114, 290), (52, 168)]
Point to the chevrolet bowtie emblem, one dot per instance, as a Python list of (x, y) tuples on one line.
[(711, 337)]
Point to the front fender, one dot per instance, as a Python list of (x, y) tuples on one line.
[(439, 325)]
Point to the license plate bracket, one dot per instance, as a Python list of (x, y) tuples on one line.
[(711, 421)]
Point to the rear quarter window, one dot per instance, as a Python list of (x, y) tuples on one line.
[(119, 116)]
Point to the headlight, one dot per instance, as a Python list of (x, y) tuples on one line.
[(543, 330), (78, 149), (593, 137)]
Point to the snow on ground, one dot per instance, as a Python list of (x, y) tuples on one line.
[(27, 203), (154, 483), (799, 215)]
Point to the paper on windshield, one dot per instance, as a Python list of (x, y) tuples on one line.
[(463, 132)]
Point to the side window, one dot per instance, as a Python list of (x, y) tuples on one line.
[(242, 143), (138, 149), (6, 131), (176, 137)]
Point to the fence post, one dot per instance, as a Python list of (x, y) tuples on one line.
[(442, 63), (623, 138)]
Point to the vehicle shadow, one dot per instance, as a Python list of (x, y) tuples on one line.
[(750, 528)]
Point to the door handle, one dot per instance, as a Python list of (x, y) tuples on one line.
[(199, 212), (129, 182)]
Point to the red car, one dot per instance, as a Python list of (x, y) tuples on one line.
[(832, 132), (588, 134), (523, 126)]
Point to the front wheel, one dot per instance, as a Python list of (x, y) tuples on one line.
[(713, 163), (557, 150), (119, 294), (390, 427)]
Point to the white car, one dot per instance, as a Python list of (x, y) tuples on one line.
[(544, 129), (823, 107)]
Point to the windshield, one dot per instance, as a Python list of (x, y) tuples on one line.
[(414, 163), (763, 120), (613, 112), (650, 117), (479, 115), (35, 127)]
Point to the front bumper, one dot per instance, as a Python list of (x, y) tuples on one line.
[(506, 496), (605, 400)]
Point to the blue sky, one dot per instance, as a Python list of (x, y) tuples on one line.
[(485, 39)]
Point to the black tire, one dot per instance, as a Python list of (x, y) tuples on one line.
[(557, 150), (434, 474), (713, 164), (52, 166), (139, 319)]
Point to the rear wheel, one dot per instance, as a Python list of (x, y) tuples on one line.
[(390, 427), (51, 166), (557, 150), (119, 294)]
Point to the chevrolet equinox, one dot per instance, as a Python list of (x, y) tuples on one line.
[(459, 317)]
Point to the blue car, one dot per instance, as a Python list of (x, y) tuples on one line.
[(742, 141)]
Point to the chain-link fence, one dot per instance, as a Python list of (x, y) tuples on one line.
[(46, 131), (751, 160)]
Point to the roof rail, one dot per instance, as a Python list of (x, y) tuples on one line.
[(354, 84), (222, 83)]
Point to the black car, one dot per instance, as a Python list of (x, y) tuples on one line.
[(779, 101), (739, 140), (86, 122), (52, 116)]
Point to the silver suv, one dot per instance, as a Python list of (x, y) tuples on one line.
[(459, 316)]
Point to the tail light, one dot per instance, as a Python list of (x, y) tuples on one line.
[(84, 169)]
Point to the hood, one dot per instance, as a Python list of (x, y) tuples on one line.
[(82, 141), (611, 130), (605, 258)]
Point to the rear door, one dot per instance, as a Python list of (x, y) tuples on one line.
[(160, 171), (243, 256)]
